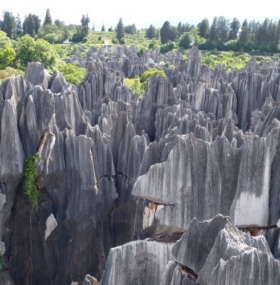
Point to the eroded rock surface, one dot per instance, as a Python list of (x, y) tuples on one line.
[(113, 169)]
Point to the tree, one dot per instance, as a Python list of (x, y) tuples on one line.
[(173, 34), (244, 36), (72, 73), (48, 18), (184, 41), (85, 24), (7, 53), (9, 25), (164, 32), (19, 30), (30, 50), (5, 41), (31, 25), (151, 32), (168, 33), (222, 29), (219, 30), (203, 28), (120, 30), (103, 28), (59, 24), (130, 29), (234, 28)]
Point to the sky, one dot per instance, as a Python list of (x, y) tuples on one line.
[(142, 13)]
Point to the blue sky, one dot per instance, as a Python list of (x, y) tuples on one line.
[(144, 12)]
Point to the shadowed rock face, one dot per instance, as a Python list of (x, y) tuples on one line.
[(113, 169)]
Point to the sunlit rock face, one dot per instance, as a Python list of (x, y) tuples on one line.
[(215, 251), (113, 168)]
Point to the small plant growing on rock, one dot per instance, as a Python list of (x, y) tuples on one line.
[(30, 187), (2, 263)]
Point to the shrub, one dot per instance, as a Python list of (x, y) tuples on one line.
[(2, 264), (185, 41), (115, 41), (122, 41), (151, 72), (9, 72), (134, 84), (153, 45), (30, 187), (167, 47), (72, 73)]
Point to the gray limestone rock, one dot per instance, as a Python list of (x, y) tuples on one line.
[(217, 252), (200, 143), (174, 274), (139, 262)]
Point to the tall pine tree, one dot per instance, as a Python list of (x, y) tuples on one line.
[(120, 30), (48, 18)]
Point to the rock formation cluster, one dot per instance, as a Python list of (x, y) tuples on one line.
[(180, 187)]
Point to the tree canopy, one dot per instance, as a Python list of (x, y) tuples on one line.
[(48, 18), (120, 30), (36, 50)]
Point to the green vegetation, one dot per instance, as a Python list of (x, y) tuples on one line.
[(72, 73), (151, 72), (139, 85), (2, 264), (135, 85), (223, 41), (231, 60), (30, 187), (9, 72), (36, 50)]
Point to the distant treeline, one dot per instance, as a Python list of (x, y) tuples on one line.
[(222, 34)]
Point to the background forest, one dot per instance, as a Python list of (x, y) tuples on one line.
[(52, 42)]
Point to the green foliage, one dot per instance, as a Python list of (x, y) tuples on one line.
[(151, 72), (30, 50), (185, 41), (168, 33), (72, 73), (7, 55), (231, 60), (30, 187), (5, 41), (139, 85), (122, 41), (48, 18), (130, 29), (115, 41), (120, 30), (9, 72), (134, 84), (80, 35), (2, 264), (204, 28), (169, 46), (151, 32), (31, 25), (9, 24), (153, 45)]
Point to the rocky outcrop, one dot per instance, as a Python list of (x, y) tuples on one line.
[(113, 168), (140, 262), (214, 251)]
